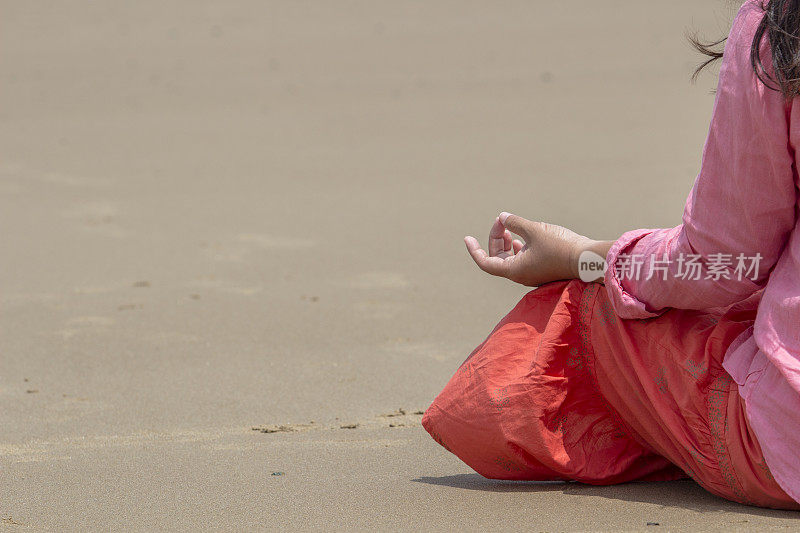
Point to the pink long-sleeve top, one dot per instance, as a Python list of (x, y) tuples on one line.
[(740, 224)]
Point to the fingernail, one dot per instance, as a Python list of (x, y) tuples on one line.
[(503, 216)]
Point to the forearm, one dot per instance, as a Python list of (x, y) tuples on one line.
[(588, 260)]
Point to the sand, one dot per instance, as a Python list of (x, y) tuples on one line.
[(232, 248)]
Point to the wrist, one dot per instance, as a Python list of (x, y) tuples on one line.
[(589, 259)]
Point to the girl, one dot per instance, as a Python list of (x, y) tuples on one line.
[(683, 359)]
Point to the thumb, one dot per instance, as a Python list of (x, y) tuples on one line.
[(521, 226)]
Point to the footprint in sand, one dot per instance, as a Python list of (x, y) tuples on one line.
[(395, 419), (282, 428)]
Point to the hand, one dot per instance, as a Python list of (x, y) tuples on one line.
[(549, 252)]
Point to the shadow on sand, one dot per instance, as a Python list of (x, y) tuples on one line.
[(684, 494)]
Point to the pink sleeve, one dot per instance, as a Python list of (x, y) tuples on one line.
[(740, 207)]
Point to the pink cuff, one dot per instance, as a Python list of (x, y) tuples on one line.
[(624, 303)]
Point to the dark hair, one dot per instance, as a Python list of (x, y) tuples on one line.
[(781, 25)]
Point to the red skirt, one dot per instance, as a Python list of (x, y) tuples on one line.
[(563, 389)]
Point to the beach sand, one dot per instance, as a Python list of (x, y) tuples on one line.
[(231, 261)]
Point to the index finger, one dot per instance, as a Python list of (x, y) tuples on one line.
[(491, 265)]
